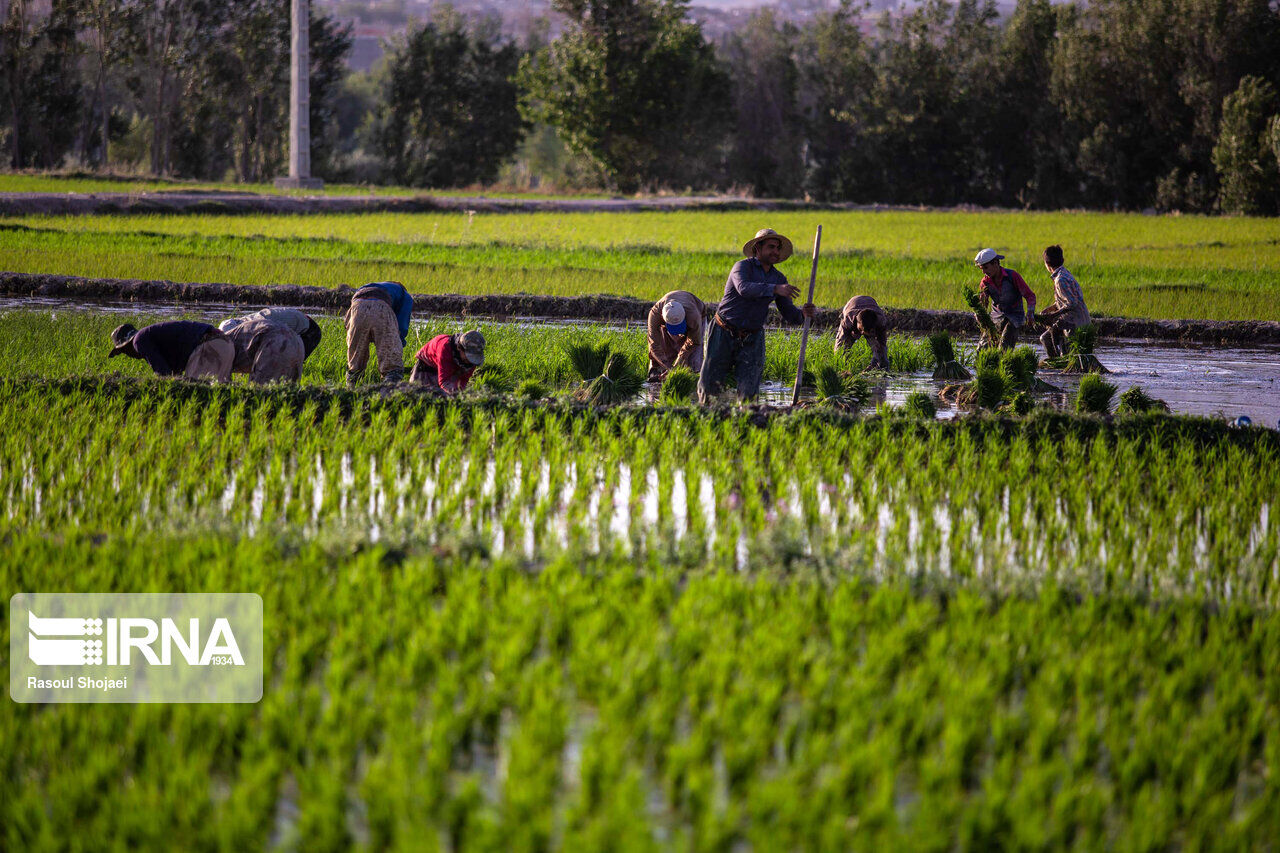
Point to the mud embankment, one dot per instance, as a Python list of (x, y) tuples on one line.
[(177, 202), (594, 308)]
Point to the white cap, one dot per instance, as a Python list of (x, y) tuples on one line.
[(986, 256), (673, 313)]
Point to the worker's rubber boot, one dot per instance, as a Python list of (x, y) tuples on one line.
[(393, 377), (353, 377)]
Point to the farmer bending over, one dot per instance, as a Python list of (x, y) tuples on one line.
[(272, 343), (1007, 289), (1068, 311), (736, 342), (675, 334), (445, 363), (177, 348), (379, 315), (863, 316)]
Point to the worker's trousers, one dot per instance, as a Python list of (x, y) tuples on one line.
[(371, 321), (726, 353), (275, 354)]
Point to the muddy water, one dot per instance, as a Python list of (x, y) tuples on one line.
[(1192, 378)]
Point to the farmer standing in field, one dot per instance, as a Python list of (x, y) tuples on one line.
[(379, 315), (177, 348), (863, 316), (1007, 289), (272, 343), (446, 362), (675, 333), (1068, 311), (736, 342)]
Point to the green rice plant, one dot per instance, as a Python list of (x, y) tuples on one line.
[(618, 382), (678, 387), (1021, 403), (920, 405), (589, 359), (531, 389), (491, 377), (1094, 396), (988, 387), (829, 382), (1135, 401), (1083, 340), (987, 359), (1019, 367), (946, 367), (985, 325)]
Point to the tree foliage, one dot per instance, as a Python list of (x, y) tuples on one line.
[(1245, 156)]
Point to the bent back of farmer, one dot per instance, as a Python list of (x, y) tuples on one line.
[(863, 316), (446, 363), (735, 344), (675, 333), (272, 344), (379, 316), (177, 348), (1068, 311), (1005, 291)]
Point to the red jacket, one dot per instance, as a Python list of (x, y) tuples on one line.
[(439, 354)]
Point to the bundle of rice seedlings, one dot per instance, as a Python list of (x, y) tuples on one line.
[(829, 382), (1094, 396), (1080, 357), (986, 359), (988, 388), (491, 377), (944, 358), (983, 317), (919, 405), (1135, 401), (1019, 367), (531, 389), (588, 360), (1083, 340), (618, 382), (1021, 404), (678, 387), (840, 390)]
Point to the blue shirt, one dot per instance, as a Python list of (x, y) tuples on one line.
[(401, 304), (747, 295)]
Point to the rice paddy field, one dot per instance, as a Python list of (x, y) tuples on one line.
[(1130, 265), (516, 620)]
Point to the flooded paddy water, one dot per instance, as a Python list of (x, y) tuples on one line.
[(1195, 379)]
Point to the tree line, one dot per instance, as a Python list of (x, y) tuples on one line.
[(1125, 104)]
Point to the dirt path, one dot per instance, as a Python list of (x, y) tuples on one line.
[(178, 202), (600, 308)]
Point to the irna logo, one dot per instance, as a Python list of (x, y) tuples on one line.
[(79, 641)]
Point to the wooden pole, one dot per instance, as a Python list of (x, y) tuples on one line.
[(804, 336)]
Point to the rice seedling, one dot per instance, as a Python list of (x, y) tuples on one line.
[(840, 390), (1094, 396), (678, 386), (946, 367), (1135, 401), (618, 382), (1021, 403), (531, 389), (986, 327), (989, 387), (919, 405), (588, 359), (1019, 367), (491, 377)]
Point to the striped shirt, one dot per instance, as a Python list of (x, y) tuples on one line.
[(1068, 297)]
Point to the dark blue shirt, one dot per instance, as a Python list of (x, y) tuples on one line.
[(401, 304), (747, 295), (168, 346)]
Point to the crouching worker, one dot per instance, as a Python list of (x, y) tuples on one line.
[(177, 348), (675, 334), (1068, 311), (272, 344), (863, 317), (379, 315), (735, 344), (446, 362)]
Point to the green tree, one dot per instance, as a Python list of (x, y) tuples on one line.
[(636, 88), (1249, 181), (449, 114), (39, 82)]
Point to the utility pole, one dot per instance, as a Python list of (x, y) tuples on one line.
[(300, 104)]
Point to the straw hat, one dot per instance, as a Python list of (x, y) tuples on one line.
[(749, 248), (121, 337)]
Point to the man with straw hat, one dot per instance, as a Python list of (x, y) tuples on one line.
[(177, 348), (675, 333), (446, 362), (735, 344)]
